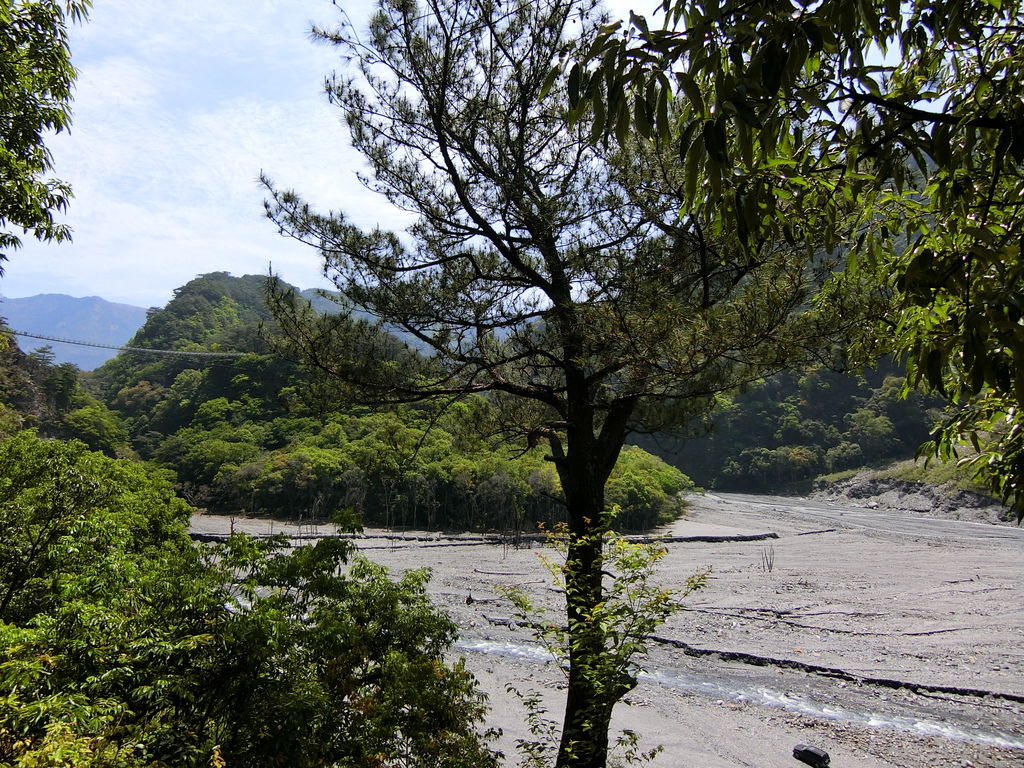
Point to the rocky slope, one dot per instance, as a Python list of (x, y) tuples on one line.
[(868, 489)]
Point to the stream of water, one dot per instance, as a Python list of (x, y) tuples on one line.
[(720, 687)]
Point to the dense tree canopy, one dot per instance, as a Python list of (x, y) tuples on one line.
[(782, 433), (912, 109), (36, 78), (35, 393)]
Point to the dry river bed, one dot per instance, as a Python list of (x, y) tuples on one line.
[(884, 638)]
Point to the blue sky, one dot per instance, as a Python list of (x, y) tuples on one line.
[(179, 106)]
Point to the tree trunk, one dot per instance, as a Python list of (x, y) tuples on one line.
[(590, 695)]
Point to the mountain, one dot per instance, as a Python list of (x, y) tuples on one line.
[(89, 319), (210, 313), (321, 301)]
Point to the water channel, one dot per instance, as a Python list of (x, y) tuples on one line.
[(717, 685)]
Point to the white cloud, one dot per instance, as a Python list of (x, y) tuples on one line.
[(115, 83), (179, 107), (244, 30)]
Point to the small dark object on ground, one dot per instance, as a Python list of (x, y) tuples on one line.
[(811, 755)]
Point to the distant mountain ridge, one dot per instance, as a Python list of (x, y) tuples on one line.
[(88, 318), (320, 300)]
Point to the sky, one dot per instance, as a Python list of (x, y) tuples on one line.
[(179, 106)]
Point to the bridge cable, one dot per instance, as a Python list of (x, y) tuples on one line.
[(169, 352)]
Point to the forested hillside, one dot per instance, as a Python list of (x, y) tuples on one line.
[(36, 393), (255, 434), (797, 426)]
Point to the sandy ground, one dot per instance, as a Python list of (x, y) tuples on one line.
[(817, 629)]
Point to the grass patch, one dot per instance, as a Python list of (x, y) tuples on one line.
[(838, 477), (943, 473)]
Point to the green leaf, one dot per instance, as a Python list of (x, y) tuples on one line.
[(933, 370), (692, 93), (550, 79), (693, 160), (773, 64), (745, 144), (814, 36), (622, 121), (685, 139), (598, 124), (742, 224), (641, 118), (574, 85), (662, 110), (715, 141), (975, 442)]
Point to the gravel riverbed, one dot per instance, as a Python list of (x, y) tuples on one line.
[(887, 638)]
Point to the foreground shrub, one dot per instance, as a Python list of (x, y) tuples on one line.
[(123, 644)]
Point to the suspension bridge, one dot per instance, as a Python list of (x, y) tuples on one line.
[(146, 350)]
